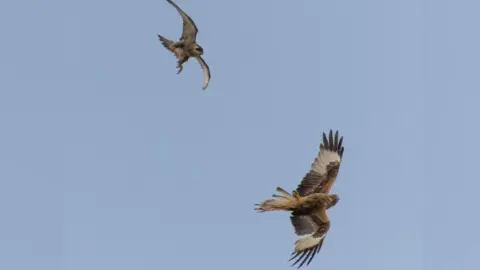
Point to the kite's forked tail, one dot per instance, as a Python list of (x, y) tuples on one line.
[(284, 201)]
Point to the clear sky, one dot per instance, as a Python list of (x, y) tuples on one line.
[(109, 160)]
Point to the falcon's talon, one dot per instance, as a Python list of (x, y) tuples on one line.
[(180, 68)]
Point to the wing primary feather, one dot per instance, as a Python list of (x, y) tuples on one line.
[(315, 251), (330, 137), (340, 147), (319, 246), (294, 253), (309, 254), (335, 145), (325, 141), (306, 258), (300, 258)]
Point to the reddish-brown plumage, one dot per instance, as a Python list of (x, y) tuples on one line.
[(314, 202), (309, 203)]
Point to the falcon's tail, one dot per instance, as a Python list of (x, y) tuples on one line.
[(284, 201)]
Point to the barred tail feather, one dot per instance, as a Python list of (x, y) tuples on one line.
[(283, 201)]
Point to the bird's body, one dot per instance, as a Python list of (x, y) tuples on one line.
[(298, 205), (187, 46), (309, 203), (314, 203), (178, 50)]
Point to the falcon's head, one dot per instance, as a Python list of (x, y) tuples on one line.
[(197, 50)]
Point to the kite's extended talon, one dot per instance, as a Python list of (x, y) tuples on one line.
[(296, 195)]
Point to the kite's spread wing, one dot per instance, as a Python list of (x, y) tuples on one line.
[(324, 168), (316, 225)]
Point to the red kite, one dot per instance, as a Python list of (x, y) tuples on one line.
[(308, 204)]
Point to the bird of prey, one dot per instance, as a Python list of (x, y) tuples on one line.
[(309, 202), (187, 46)]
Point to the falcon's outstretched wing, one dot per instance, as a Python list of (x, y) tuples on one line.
[(189, 30), (167, 43), (324, 168), (316, 225), (206, 71)]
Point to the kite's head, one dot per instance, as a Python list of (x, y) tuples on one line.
[(333, 200)]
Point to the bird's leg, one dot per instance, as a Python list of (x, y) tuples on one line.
[(180, 64), (296, 195), (180, 68)]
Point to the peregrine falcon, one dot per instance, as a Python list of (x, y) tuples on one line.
[(187, 46)]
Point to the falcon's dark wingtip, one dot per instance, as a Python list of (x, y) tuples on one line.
[(333, 143)]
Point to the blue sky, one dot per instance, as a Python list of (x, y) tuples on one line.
[(109, 160)]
